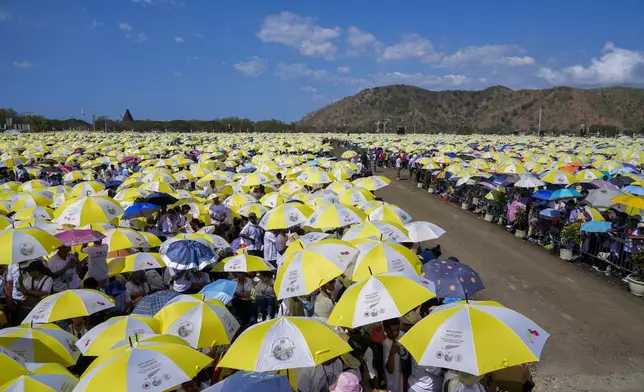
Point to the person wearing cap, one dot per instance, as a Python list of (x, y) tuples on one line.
[(253, 235)]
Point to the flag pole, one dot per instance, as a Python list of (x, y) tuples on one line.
[(539, 133)]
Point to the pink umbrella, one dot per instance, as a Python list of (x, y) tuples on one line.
[(79, 237)]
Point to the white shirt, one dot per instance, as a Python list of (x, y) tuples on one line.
[(13, 275), (132, 288), (395, 379), (69, 279), (270, 248), (398, 163), (167, 226), (425, 378), (183, 282), (245, 287), (201, 278), (323, 306), (319, 378), (43, 284), (368, 360), (280, 243), (97, 261), (254, 232)]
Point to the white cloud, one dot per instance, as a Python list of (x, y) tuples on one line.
[(140, 37), (95, 24), (344, 69), (299, 70), (23, 64), (486, 56), (142, 1), (177, 73), (125, 27), (419, 79), (179, 40), (298, 32), (253, 67), (309, 89), (193, 58), (198, 35), (358, 41), (5, 15), (412, 46), (615, 66)]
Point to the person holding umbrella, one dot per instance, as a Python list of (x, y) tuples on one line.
[(62, 266), (253, 235)]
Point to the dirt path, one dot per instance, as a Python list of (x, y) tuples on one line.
[(597, 328)]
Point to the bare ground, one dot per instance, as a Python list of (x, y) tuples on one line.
[(596, 327)]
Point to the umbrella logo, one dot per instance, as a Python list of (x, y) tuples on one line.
[(283, 349), (111, 210), (185, 329), (292, 217), (532, 334), (26, 249)]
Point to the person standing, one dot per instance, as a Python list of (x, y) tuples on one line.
[(97, 261), (399, 164), (62, 266), (252, 233), (393, 355), (270, 248)]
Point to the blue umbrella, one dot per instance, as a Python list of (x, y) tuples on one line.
[(252, 382), (564, 194), (113, 184), (542, 194), (152, 303), (140, 210), (248, 169), (314, 162), (550, 213), (221, 289), (596, 227), (452, 279), (187, 254), (634, 190)]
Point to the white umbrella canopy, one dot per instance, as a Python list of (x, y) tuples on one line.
[(420, 231)]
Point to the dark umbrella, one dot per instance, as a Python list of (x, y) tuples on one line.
[(151, 304), (113, 184), (161, 199), (251, 382), (184, 254), (452, 279), (621, 181)]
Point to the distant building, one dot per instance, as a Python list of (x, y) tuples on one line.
[(127, 117)]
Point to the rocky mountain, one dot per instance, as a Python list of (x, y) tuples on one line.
[(495, 109)]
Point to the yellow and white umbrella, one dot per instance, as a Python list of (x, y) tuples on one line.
[(119, 239), (41, 213), (255, 179), (339, 186), (132, 194), (243, 263), (27, 200), (12, 365), (137, 262), (355, 196), (348, 154), (88, 188), (389, 213), (102, 338), (158, 186), (315, 177), (274, 199), (202, 324), (377, 229), (42, 377), (378, 257), (284, 343), (33, 184), (305, 270), (26, 244), (380, 297), (476, 337), (559, 177), (285, 215), (41, 344), (588, 175), (251, 208), (159, 176), (372, 183), (143, 366), (69, 304), (331, 216), (87, 210), (239, 199)]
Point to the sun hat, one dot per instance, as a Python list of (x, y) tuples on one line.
[(347, 382)]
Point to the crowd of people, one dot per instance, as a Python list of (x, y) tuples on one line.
[(377, 360)]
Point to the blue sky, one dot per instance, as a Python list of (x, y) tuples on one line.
[(171, 59)]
